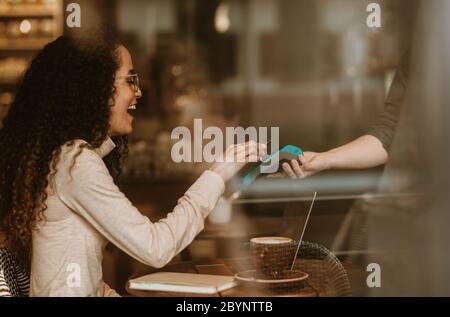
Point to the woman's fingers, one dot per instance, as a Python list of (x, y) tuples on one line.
[(245, 152), (236, 156), (297, 169), (288, 170), (253, 158), (262, 149), (252, 147)]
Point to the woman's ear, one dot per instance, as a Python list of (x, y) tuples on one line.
[(112, 101)]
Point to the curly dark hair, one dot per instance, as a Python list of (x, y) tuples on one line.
[(65, 94)]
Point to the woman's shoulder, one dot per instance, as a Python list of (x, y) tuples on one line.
[(78, 146), (75, 148), (75, 159), (76, 143), (77, 152)]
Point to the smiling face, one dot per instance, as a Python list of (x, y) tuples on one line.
[(125, 97)]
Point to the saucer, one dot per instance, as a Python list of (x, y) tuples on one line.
[(292, 276)]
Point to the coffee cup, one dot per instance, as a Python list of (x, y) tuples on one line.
[(271, 256)]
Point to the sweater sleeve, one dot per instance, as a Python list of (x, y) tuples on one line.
[(385, 126), (89, 190)]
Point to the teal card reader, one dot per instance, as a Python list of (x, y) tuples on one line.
[(287, 153)]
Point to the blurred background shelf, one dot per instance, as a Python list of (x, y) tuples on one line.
[(18, 44), (28, 10), (26, 26)]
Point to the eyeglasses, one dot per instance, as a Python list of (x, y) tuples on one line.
[(133, 80)]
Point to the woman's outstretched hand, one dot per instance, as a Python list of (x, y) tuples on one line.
[(311, 163), (236, 156)]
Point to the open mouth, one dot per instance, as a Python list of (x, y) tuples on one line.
[(131, 108)]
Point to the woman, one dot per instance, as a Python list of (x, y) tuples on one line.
[(62, 144)]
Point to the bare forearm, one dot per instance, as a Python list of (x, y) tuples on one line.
[(364, 152)]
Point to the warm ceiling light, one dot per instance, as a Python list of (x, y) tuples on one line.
[(25, 27), (222, 18)]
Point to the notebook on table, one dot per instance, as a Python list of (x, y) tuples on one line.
[(183, 283)]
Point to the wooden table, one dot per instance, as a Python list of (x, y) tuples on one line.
[(315, 285)]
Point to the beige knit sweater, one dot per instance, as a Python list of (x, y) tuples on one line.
[(86, 210)]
